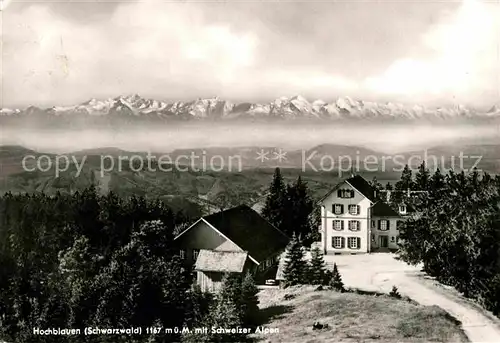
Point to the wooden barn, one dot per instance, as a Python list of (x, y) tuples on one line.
[(231, 241), (211, 267)]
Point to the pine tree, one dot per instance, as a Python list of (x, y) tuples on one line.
[(437, 188), (294, 271), (395, 293), (327, 277), (231, 289), (315, 225), (224, 314), (273, 208), (422, 184), (422, 178), (336, 280), (197, 304), (297, 211), (249, 301), (317, 267), (402, 186), (377, 186)]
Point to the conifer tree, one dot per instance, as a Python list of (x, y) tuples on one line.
[(273, 208), (422, 184), (223, 314), (249, 301), (327, 277), (377, 186), (336, 282), (422, 177), (197, 306), (231, 289), (297, 211), (317, 267), (402, 186), (295, 268)]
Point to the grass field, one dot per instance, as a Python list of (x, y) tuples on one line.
[(352, 318)]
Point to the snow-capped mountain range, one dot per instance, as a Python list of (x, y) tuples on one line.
[(137, 107)]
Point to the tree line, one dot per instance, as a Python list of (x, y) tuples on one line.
[(455, 230), (90, 260), (291, 209), (298, 271)]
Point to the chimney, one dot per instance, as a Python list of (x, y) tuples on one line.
[(388, 194)]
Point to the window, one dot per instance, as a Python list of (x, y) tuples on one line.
[(399, 224), (338, 208), (383, 225), (353, 242), (402, 209), (392, 239), (182, 253), (345, 193), (338, 225), (354, 209), (337, 242), (354, 225), (195, 253)]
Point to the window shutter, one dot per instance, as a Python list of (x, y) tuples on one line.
[(388, 224), (339, 193), (358, 242), (342, 225), (358, 209), (343, 242), (342, 209), (333, 208), (379, 225)]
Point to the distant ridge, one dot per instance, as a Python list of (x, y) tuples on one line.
[(136, 108)]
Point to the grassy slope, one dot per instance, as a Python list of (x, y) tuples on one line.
[(352, 318)]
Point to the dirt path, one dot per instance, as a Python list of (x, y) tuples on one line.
[(477, 326), (381, 271)]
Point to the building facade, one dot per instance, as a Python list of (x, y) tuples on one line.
[(214, 243), (355, 221)]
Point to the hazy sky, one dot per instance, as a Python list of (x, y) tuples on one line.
[(383, 138), (410, 51)]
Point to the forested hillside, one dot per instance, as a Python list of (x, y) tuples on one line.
[(455, 231)]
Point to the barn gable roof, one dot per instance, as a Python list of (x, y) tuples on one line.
[(248, 230), (251, 232)]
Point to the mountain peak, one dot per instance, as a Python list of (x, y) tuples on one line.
[(494, 109), (135, 107), (298, 98)]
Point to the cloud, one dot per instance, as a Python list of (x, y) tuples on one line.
[(464, 59), (4, 4), (142, 45), (174, 50)]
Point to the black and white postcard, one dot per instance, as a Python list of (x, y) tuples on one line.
[(249, 171)]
